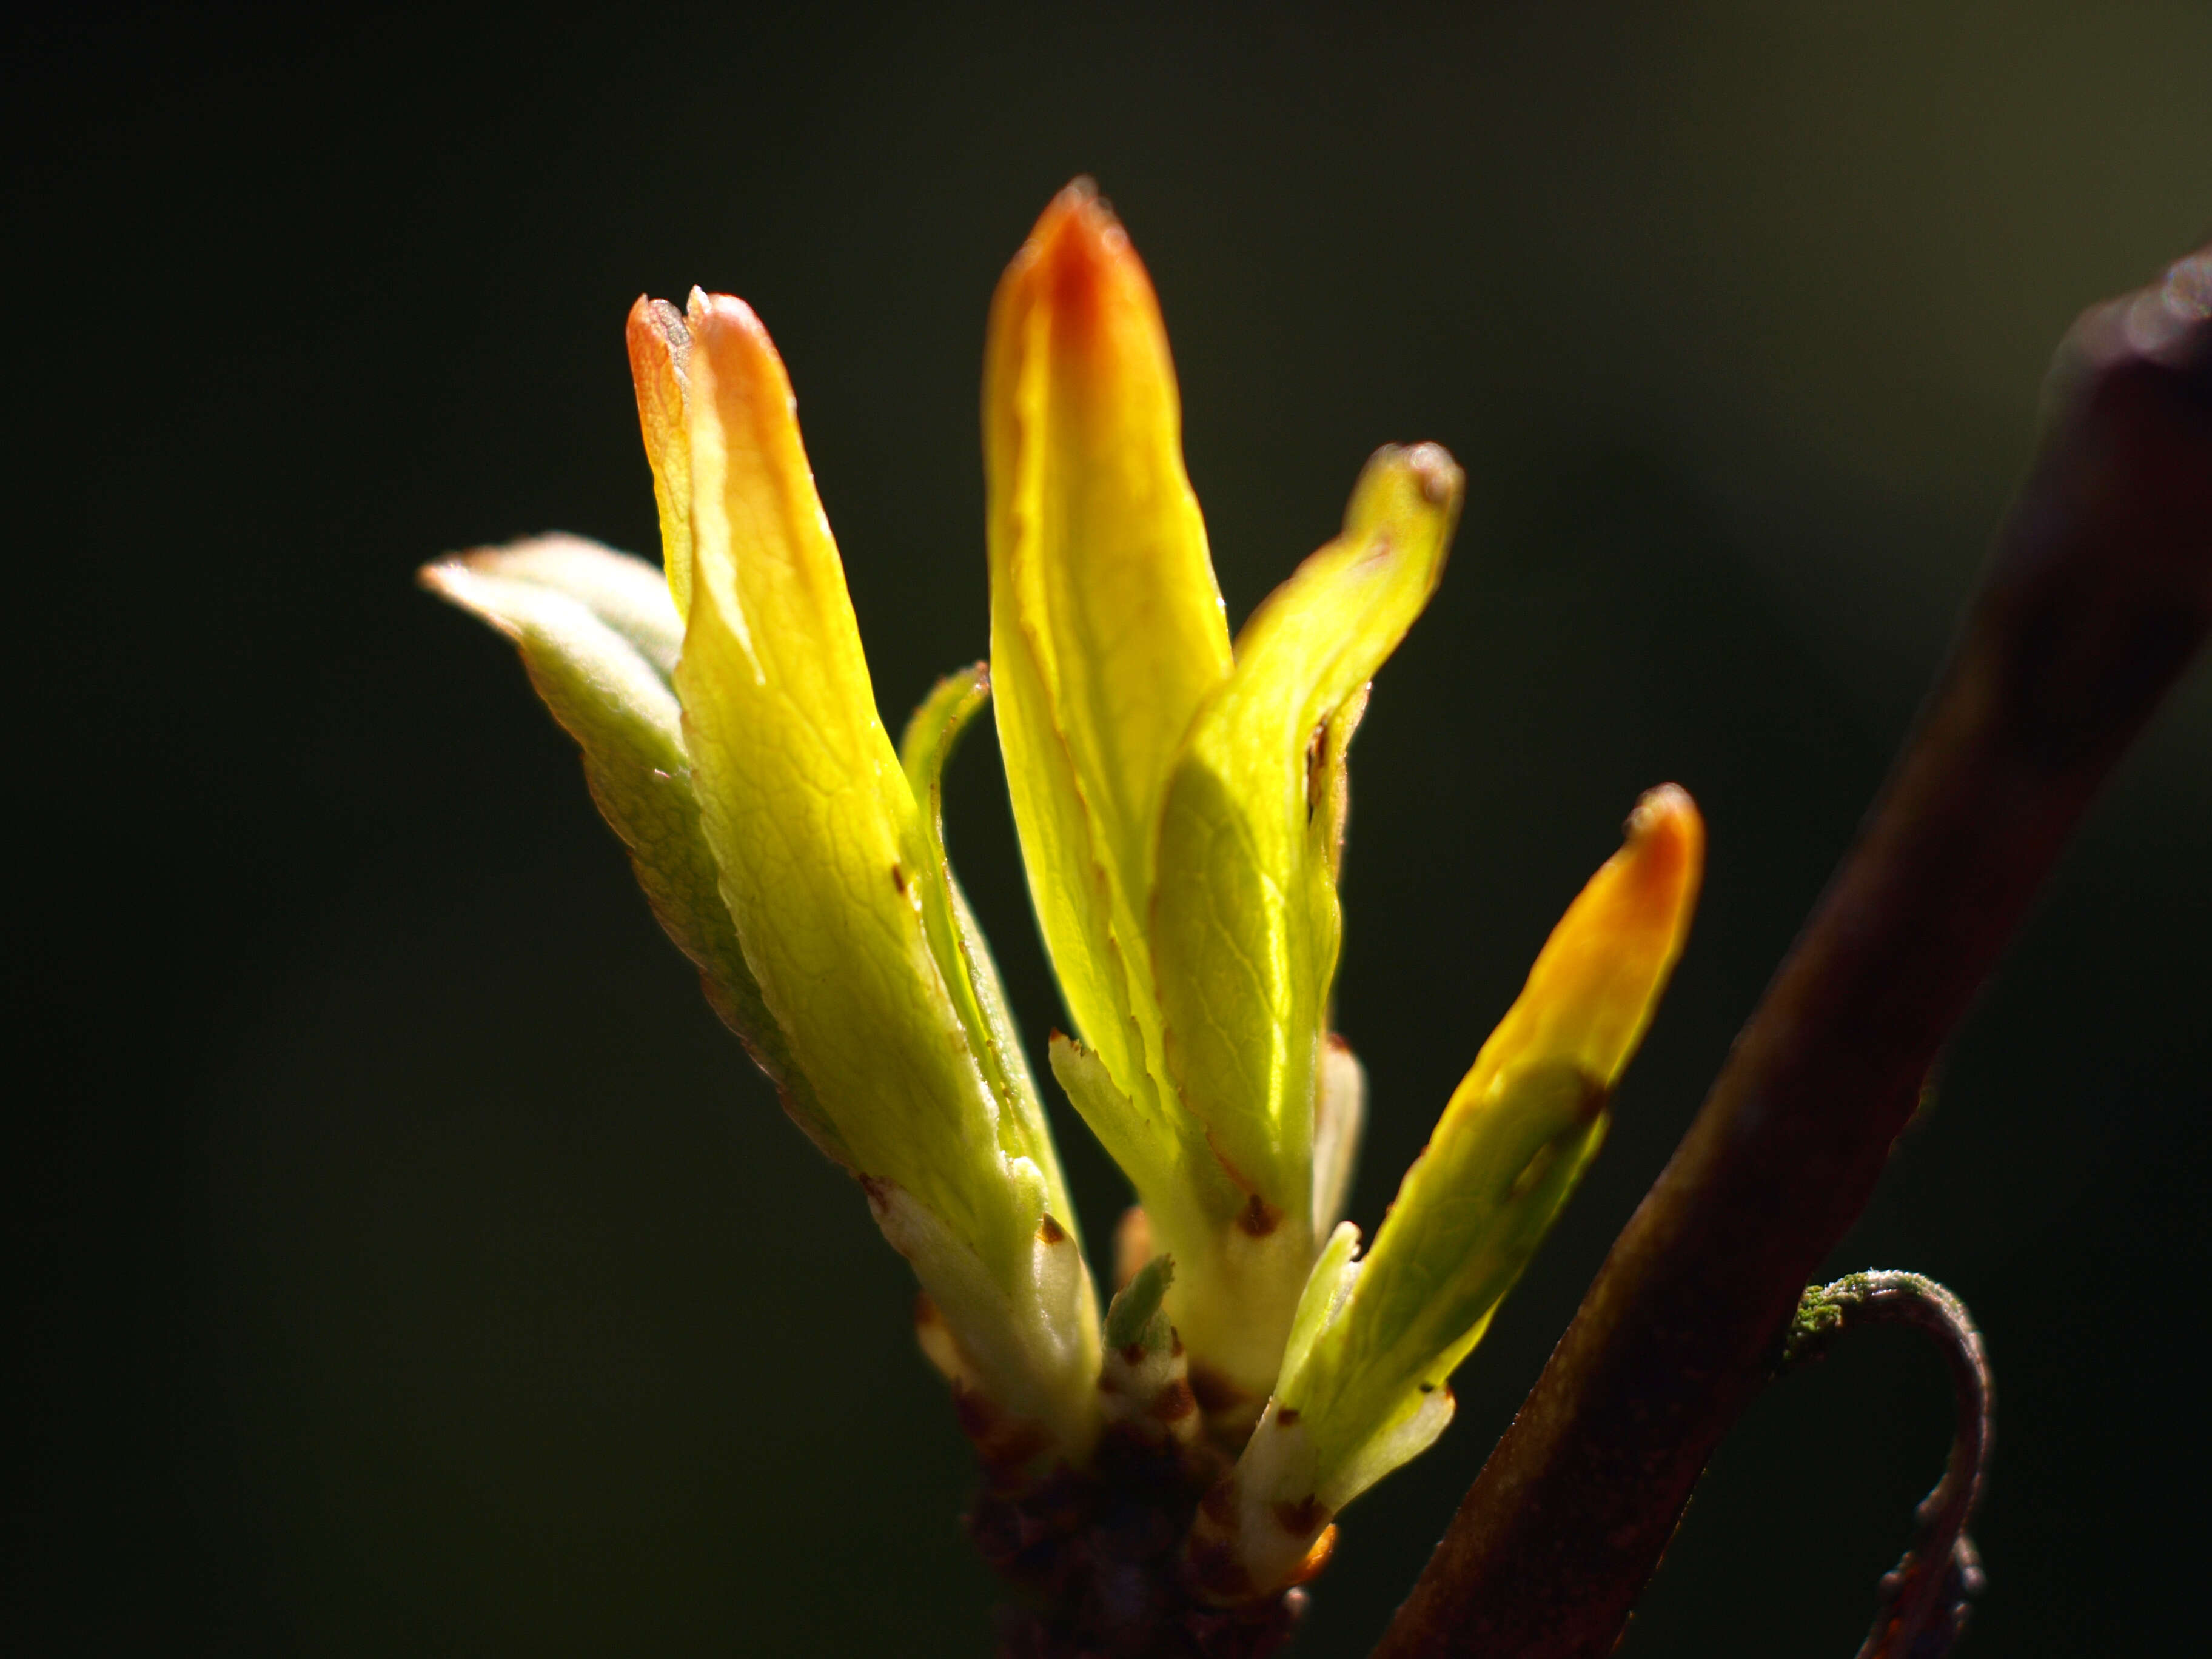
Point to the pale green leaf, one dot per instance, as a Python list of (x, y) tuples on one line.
[(1134, 1319), (970, 975), (1030, 1346), (597, 635), (1340, 1119), (1335, 1272)]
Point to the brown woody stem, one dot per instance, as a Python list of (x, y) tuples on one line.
[(2099, 593)]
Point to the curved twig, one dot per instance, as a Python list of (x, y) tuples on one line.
[(1926, 1597)]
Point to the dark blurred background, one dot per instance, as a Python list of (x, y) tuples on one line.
[(408, 1262)]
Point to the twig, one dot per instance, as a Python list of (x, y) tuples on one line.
[(1925, 1597), (2099, 593)]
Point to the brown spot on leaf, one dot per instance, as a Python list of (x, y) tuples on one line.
[(1260, 1218), (1301, 1518), (1133, 1354), (1286, 1416), (1175, 1402), (1050, 1232), (898, 877)]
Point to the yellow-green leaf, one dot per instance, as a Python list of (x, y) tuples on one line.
[(1107, 632), (1106, 629), (813, 826), (1505, 1155), (829, 871), (1097, 548), (1244, 924)]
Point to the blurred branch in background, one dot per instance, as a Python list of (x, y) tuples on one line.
[(2099, 594)]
